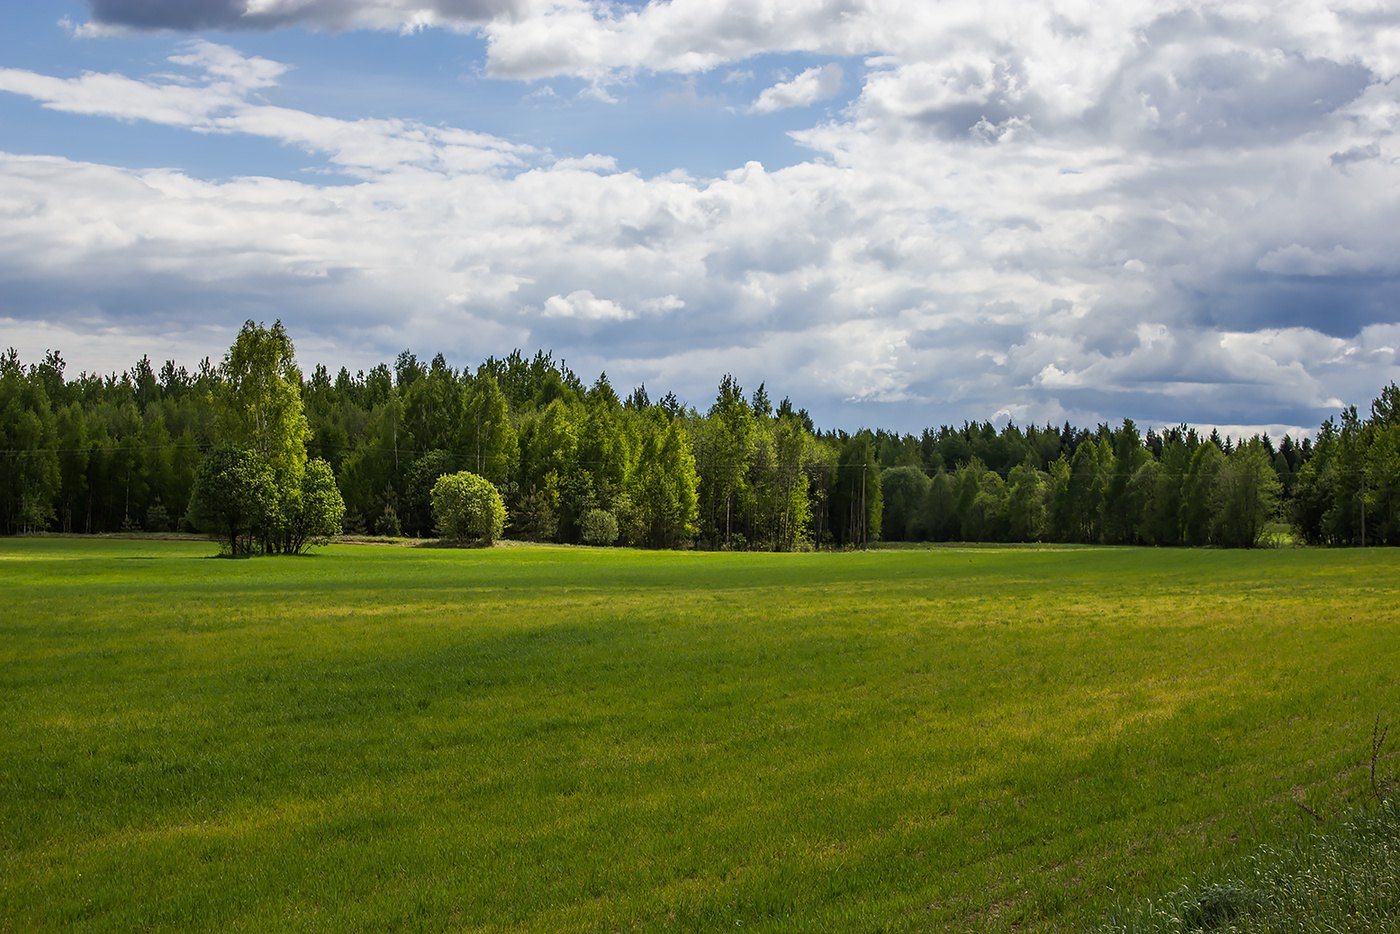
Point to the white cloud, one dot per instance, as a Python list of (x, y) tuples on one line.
[(812, 85), (585, 306), (1053, 210), (220, 98)]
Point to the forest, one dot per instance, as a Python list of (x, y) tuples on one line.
[(578, 462)]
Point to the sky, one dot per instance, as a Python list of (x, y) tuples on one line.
[(899, 213)]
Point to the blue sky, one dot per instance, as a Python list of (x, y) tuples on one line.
[(898, 213)]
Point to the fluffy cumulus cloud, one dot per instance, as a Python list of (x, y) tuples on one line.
[(1029, 210), (814, 84)]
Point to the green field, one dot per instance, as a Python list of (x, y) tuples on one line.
[(571, 739)]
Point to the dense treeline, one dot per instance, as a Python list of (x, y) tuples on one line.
[(122, 452)]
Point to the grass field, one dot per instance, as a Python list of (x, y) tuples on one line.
[(572, 739)]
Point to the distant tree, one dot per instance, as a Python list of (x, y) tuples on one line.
[(1026, 506), (532, 518), (793, 451), (1313, 489), (1122, 512), (468, 508), (938, 517), (723, 451), (1382, 491), (856, 503), (1245, 496), (1085, 493), (487, 442), (1060, 521), (417, 513), (1162, 519), (660, 494), (981, 499), (904, 490), (28, 435)]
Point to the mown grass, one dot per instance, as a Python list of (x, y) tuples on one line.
[(540, 739)]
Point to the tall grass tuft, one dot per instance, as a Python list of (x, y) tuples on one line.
[(1343, 876)]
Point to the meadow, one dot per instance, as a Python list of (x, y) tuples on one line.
[(529, 738)]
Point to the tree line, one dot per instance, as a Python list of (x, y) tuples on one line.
[(574, 462)]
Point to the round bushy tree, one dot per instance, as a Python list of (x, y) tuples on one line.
[(318, 514), (467, 507), (598, 527), (234, 492)]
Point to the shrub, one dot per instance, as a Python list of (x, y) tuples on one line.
[(467, 507), (598, 527)]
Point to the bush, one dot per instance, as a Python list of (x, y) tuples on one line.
[(467, 507), (598, 527)]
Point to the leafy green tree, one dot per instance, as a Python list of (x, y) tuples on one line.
[(1313, 489), (938, 517), (259, 400), (723, 452), (1245, 496), (1342, 520), (1198, 496), (488, 442), (1085, 493), (1026, 504), (790, 483), (1162, 519), (28, 437), (234, 490), (1382, 469), (417, 513), (981, 502), (661, 496), (1122, 514), (318, 511), (468, 507), (1143, 489), (71, 427), (904, 490), (551, 463), (1062, 524), (1382, 466), (857, 504)]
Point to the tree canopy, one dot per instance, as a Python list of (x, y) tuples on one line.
[(362, 452)]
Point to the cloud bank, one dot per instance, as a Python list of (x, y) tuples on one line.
[(1037, 211)]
